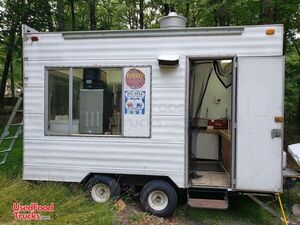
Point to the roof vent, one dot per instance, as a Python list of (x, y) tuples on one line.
[(172, 21)]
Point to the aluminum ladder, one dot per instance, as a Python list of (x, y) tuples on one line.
[(6, 137)]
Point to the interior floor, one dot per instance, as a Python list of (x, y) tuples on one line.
[(209, 173)]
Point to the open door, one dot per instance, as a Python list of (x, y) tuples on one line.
[(259, 125)]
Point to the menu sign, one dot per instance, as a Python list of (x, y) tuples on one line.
[(135, 98), (137, 101)]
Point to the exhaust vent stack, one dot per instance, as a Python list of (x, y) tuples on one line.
[(172, 21)]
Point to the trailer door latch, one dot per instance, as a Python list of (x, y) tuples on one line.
[(276, 133)]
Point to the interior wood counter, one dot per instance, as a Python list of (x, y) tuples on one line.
[(223, 133)]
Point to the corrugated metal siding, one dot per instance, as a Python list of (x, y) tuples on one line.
[(166, 129), (71, 158), (253, 41), (51, 157)]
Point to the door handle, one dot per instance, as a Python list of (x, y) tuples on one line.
[(276, 133)]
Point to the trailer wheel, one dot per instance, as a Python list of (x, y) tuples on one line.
[(103, 188), (159, 198)]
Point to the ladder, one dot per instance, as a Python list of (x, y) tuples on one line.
[(6, 136)]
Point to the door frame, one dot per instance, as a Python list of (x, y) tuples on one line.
[(233, 114)]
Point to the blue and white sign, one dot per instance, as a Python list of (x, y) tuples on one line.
[(136, 101)]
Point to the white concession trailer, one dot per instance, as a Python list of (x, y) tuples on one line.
[(169, 111)]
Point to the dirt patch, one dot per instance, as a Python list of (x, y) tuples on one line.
[(132, 214)]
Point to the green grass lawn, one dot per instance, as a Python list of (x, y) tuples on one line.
[(72, 206)]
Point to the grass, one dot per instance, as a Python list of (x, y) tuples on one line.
[(72, 206), (241, 211)]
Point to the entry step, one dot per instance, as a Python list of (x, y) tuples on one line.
[(208, 198), (208, 203)]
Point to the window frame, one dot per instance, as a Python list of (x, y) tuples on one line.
[(47, 131)]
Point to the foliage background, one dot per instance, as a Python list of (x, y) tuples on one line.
[(57, 15)]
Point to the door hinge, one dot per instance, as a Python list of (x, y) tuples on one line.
[(235, 63), (234, 125), (233, 186)]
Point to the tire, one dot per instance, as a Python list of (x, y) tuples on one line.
[(102, 188), (159, 198)]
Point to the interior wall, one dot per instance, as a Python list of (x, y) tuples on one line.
[(113, 75), (215, 90), (201, 72)]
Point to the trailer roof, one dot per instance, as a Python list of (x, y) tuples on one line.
[(190, 31)]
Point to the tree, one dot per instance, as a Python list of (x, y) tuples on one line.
[(267, 11), (92, 7), (8, 61), (141, 13), (12, 80), (71, 2), (60, 15)]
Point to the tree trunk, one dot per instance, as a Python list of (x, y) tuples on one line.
[(60, 15), (8, 60), (71, 2), (166, 9), (49, 17), (141, 12), (172, 7), (298, 111), (128, 14), (12, 80), (221, 14), (187, 12), (267, 13), (92, 6)]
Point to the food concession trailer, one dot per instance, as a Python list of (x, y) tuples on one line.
[(190, 111)]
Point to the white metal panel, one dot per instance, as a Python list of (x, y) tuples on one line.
[(253, 41), (165, 129), (168, 101), (161, 77), (260, 83), (102, 157), (168, 128), (45, 157), (34, 100)]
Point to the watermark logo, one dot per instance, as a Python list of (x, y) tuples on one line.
[(32, 211)]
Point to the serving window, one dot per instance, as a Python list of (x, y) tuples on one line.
[(98, 101)]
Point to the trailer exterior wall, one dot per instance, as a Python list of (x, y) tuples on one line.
[(71, 158)]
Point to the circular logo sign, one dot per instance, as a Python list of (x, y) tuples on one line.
[(135, 78)]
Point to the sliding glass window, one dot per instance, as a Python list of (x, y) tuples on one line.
[(58, 101), (96, 101)]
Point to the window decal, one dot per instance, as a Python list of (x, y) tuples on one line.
[(135, 102)]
